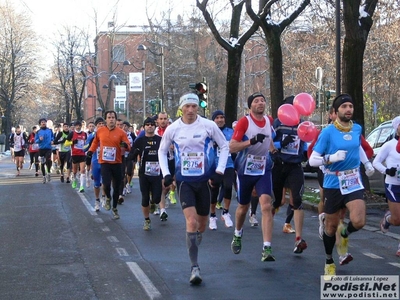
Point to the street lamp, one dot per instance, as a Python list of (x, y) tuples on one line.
[(161, 54)]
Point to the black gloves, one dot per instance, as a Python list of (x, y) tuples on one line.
[(88, 160), (217, 179), (259, 138), (124, 145), (89, 154), (168, 180), (75, 142), (391, 171), (287, 140)]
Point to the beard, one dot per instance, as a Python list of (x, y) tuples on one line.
[(344, 118)]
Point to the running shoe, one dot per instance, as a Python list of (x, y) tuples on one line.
[(287, 228), (299, 246), (115, 213), (68, 180), (345, 259), (267, 254), (121, 200), (343, 243), (62, 178), (227, 219), (384, 223), (107, 206), (253, 220), (195, 277), (44, 179), (330, 269), (124, 192), (236, 245), (156, 211), (213, 223), (128, 188), (163, 216), (48, 177), (218, 205), (321, 218), (81, 189), (146, 225), (97, 205), (172, 197), (36, 174), (74, 184), (103, 200)]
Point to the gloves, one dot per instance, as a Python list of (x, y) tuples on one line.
[(338, 156), (217, 179), (168, 180), (369, 169), (259, 138), (391, 171), (88, 160), (89, 154), (124, 145), (287, 140), (75, 142)]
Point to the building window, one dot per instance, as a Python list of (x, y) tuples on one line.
[(119, 53), (119, 106)]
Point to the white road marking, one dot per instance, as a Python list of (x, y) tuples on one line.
[(87, 204), (112, 239), (395, 264), (105, 229), (369, 254), (122, 252), (146, 283)]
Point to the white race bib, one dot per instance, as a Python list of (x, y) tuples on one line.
[(152, 168), (255, 165), (109, 153), (349, 181), (192, 164), (292, 148)]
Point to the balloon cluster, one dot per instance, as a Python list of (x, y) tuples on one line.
[(288, 114)]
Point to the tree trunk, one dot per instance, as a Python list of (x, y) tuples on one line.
[(232, 85)]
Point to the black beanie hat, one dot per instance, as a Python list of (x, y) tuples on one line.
[(251, 98), (217, 113), (339, 100), (98, 120)]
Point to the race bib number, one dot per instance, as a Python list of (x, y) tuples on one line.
[(255, 165), (349, 181), (292, 148), (109, 153), (192, 164), (79, 144), (152, 168)]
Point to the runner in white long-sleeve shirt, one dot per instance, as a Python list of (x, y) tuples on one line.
[(193, 138)]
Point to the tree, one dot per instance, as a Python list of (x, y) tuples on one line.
[(234, 47), (18, 68), (357, 22), (273, 31)]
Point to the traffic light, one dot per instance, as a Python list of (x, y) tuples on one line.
[(201, 90), (329, 94)]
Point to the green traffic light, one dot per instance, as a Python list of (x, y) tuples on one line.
[(203, 104)]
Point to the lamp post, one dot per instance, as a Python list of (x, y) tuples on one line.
[(161, 54)]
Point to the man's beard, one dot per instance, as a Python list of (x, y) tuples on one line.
[(345, 119)]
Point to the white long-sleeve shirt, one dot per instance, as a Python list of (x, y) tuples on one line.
[(193, 149), (391, 157)]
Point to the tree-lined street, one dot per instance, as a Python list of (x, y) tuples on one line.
[(55, 246)]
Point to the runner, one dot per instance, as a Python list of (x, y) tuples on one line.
[(20, 141), (33, 151), (193, 138), (64, 152), (44, 137), (90, 132)]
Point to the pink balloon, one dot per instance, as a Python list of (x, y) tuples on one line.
[(288, 115), (307, 131), (304, 103)]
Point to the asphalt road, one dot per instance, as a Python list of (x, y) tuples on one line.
[(55, 246)]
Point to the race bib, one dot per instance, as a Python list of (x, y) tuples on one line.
[(219, 152), (152, 168), (349, 181), (192, 164), (79, 144), (109, 153), (35, 146), (292, 148), (255, 165)]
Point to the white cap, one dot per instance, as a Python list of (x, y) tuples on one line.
[(189, 98), (396, 122)]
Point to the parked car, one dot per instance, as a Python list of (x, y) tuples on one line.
[(377, 137)]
